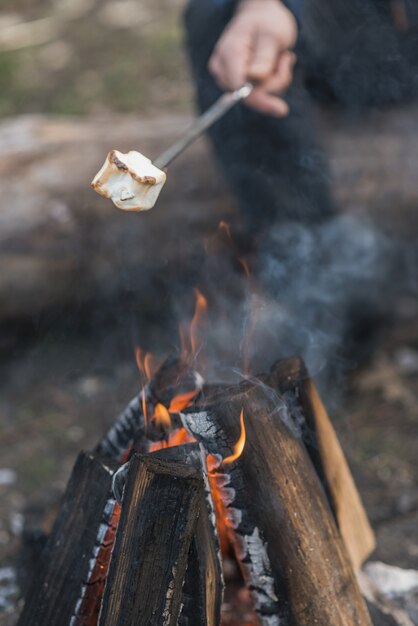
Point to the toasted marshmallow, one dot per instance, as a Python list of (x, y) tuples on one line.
[(130, 180)]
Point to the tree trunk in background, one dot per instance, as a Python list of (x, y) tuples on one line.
[(62, 246)]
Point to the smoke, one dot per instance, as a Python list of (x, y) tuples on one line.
[(327, 281), (320, 291)]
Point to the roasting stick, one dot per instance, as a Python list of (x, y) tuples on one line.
[(133, 182), (205, 121)]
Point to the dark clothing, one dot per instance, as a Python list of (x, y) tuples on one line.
[(348, 52), (275, 167), (322, 270)]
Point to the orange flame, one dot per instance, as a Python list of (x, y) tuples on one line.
[(162, 416), (239, 446), (183, 400), (200, 310), (146, 363), (144, 405)]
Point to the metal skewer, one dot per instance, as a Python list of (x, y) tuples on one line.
[(216, 111)]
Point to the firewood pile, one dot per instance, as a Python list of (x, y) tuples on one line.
[(203, 492)]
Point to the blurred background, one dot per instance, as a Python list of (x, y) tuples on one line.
[(82, 284)]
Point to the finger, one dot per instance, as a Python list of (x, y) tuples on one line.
[(264, 58), (282, 77), (268, 104), (229, 61)]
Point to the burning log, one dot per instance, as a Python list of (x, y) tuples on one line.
[(203, 585), (249, 469), (278, 518), (71, 553), (290, 377), (154, 536), (174, 381)]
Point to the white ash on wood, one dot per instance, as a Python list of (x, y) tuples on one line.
[(291, 554)]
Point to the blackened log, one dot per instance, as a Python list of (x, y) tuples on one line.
[(203, 586), (129, 424), (131, 430), (146, 575), (291, 553), (175, 377), (70, 553), (291, 377)]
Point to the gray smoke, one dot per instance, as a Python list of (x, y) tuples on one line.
[(312, 290)]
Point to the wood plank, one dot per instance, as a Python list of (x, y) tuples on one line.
[(159, 513), (70, 551), (286, 540), (203, 585), (329, 459)]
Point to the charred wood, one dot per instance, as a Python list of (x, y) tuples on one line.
[(129, 424), (203, 585), (149, 560), (291, 379), (134, 427), (70, 554), (284, 534)]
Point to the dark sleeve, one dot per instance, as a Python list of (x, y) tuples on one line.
[(296, 6)]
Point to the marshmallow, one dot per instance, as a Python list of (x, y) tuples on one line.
[(130, 180)]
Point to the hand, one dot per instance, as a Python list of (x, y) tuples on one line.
[(257, 46)]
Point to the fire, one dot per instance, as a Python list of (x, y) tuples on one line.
[(240, 445), (147, 366), (189, 333), (162, 416), (215, 481), (146, 363), (200, 310), (182, 401)]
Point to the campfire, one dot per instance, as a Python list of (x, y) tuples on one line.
[(208, 504)]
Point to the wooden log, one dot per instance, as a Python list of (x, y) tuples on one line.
[(159, 513), (70, 553), (325, 450), (64, 246), (286, 540), (203, 585)]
